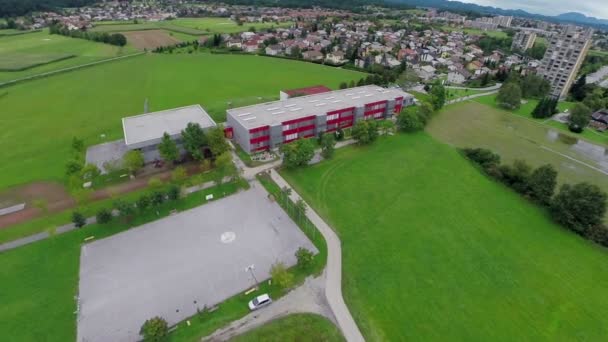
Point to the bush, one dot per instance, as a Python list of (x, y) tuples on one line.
[(305, 258), (408, 121), (598, 234), (73, 166), (103, 216), (542, 184), (484, 157), (143, 202), (179, 174), (173, 192), (579, 207), (281, 275), (78, 219), (155, 330), (579, 118), (517, 176), (125, 209), (157, 198)]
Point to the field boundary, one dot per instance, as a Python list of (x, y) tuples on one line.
[(18, 33), (58, 59), (50, 73)]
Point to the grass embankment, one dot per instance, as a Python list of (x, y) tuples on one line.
[(60, 107), (236, 307), (295, 327), (39, 281), (434, 250), (39, 52)]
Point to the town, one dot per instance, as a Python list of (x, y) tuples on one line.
[(324, 171)]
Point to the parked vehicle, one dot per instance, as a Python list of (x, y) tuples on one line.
[(259, 302)]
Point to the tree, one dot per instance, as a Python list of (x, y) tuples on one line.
[(194, 138), (125, 209), (578, 90), (509, 96), (545, 108), (155, 330), (487, 159), (437, 96), (328, 143), (168, 149), (542, 183), (133, 160), (579, 207), (517, 176), (579, 118), (304, 257), (365, 131), (409, 121), (224, 167), (89, 172), (297, 153), (534, 86), (281, 276), (103, 216), (217, 141), (78, 219)]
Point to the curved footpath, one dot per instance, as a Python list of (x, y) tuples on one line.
[(494, 87), (333, 270)]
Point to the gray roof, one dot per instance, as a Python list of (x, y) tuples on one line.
[(148, 129), (274, 113)]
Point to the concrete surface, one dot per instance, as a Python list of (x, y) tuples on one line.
[(175, 265)]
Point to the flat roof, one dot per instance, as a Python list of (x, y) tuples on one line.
[(274, 113), (147, 129)]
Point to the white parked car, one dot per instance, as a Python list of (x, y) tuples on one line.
[(259, 302)]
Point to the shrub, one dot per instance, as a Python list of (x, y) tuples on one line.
[(517, 176), (484, 157), (155, 330), (125, 209), (409, 121), (173, 192), (89, 172), (157, 198), (155, 183), (179, 174), (542, 184), (579, 207), (598, 234), (73, 166), (305, 258), (103, 216), (143, 202), (281, 275), (78, 219)]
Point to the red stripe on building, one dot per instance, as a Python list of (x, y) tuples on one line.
[(398, 105), (294, 121), (259, 129), (298, 129), (259, 139)]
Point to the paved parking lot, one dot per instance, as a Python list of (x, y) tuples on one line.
[(174, 265)]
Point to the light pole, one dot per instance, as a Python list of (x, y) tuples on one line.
[(250, 269)]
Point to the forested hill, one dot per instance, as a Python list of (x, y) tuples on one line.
[(12, 8)]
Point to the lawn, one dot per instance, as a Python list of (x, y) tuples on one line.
[(452, 93), (44, 114), (433, 250), (193, 26), (21, 51), (470, 124), (295, 327), (40, 280)]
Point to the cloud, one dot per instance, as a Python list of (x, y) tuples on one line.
[(593, 8)]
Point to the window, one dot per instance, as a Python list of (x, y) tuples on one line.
[(291, 136), (333, 116)]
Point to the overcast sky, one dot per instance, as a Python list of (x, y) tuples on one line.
[(594, 8)]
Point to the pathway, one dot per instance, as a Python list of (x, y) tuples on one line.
[(308, 297), (470, 97), (70, 226), (490, 88), (333, 270)]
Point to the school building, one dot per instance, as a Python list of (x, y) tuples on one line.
[(268, 125)]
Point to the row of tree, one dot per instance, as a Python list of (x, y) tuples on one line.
[(517, 87), (580, 207), (117, 39)]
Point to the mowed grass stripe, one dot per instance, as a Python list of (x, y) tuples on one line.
[(39, 118), (434, 250)]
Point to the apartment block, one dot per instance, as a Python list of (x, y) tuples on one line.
[(523, 40), (268, 125), (564, 57)]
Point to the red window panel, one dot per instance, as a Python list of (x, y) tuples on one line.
[(259, 139), (398, 105), (375, 108), (298, 129), (294, 121), (258, 129)]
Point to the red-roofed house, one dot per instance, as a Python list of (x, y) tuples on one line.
[(318, 89)]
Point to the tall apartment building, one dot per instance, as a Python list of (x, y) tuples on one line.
[(268, 125), (564, 57), (523, 40), (504, 21)]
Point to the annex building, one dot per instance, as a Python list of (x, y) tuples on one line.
[(268, 125), (144, 132)]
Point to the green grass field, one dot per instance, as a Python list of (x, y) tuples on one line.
[(470, 124), (39, 47), (193, 26), (433, 250), (40, 117), (295, 327), (40, 280)]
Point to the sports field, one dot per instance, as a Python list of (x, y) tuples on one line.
[(194, 26), (295, 327), (433, 250), (470, 124), (50, 52), (91, 101)]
